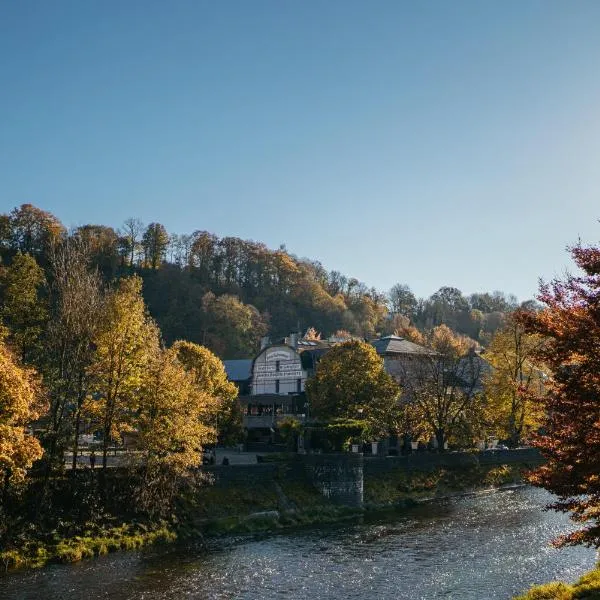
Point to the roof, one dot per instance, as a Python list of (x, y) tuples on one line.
[(238, 370), (392, 344)]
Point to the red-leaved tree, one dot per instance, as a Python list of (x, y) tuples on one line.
[(570, 433)]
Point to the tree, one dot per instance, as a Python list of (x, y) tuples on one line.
[(155, 243), (442, 387), (20, 404), (208, 372), (233, 328), (402, 301), (125, 339), (569, 437), (514, 376), (76, 314), (24, 308), (33, 231), (350, 383), (130, 238), (171, 431)]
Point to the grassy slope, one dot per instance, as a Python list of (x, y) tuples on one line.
[(586, 588)]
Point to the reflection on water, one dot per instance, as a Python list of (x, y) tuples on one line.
[(482, 547)]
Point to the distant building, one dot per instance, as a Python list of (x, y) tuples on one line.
[(401, 357)]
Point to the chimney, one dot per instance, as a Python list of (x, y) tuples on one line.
[(293, 340), (264, 342)]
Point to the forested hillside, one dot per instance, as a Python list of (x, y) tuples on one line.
[(226, 293)]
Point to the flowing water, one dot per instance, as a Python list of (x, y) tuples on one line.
[(483, 547)]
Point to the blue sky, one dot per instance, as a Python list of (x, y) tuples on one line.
[(429, 143)]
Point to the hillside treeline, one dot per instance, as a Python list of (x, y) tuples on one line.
[(226, 293)]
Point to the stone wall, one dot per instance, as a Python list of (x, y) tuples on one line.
[(339, 477), (429, 461)]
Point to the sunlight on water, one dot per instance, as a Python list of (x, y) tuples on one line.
[(487, 546)]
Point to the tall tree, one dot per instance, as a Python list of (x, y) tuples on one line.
[(570, 434), (76, 313), (131, 236), (171, 431), (350, 383), (155, 243), (24, 307), (514, 377), (222, 408), (125, 339), (443, 387), (33, 230), (402, 301)]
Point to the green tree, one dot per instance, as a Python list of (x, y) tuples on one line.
[(24, 307), (350, 383), (155, 242), (233, 328)]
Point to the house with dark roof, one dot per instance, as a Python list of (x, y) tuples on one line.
[(401, 357)]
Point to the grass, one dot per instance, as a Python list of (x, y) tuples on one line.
[(586, 588), (87, 545), (400, 487)]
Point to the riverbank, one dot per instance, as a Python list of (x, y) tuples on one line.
[(587, 587), (245, 506)]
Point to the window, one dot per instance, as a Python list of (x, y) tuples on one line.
[(299, 385), (277, 384), (277, 363)]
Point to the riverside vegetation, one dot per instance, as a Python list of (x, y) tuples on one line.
[(235, 509), (99, 333)]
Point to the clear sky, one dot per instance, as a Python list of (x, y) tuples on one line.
[(429, 143)]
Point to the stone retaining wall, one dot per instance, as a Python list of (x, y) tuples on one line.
[(340, 477)]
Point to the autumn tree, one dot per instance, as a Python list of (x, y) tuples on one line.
[(23, 306), (170, 407), (569, 437), (350, 383), (514, 379), (33, 230), (222, 409), (125, 339), (20, 405), (443, 386)]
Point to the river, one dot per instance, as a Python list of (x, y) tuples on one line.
[(483, 547)]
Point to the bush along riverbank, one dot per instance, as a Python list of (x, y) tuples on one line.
[(586, 588), (80, 529)]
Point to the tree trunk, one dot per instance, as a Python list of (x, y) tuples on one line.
[(440, 439), (76, 440)]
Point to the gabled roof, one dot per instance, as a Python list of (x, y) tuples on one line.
[(238, 370), (392, 344)]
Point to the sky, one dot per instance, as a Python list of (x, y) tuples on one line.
[(430, 143)]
